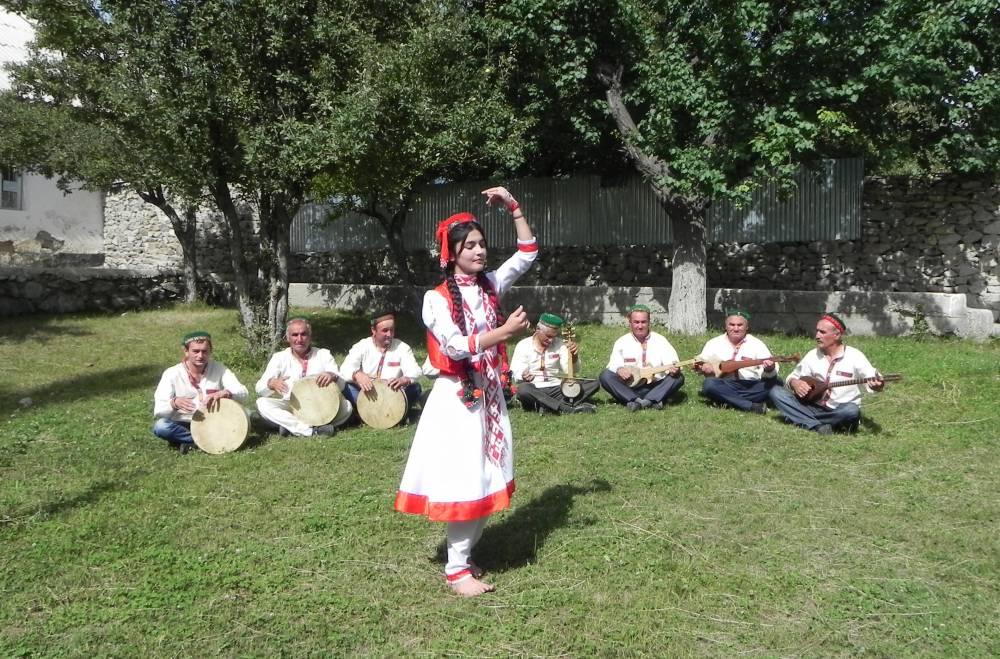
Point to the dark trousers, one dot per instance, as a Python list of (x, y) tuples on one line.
[(740, 394), (552, 398), (811, 416), (657, 392), (175, 432)]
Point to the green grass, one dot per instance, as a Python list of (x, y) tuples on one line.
[(691, 531)]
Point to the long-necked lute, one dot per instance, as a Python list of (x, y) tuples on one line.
[(727, 366), (817, 386), (644, 374)]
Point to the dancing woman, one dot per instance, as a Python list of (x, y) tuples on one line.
[(461, 464)]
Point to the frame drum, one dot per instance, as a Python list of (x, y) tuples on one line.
[(314, 405), (382, 407), (221, 431)]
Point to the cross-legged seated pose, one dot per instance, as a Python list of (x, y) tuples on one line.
[(197, 381), (639, 349), (382, 357), (745, 389), (299, 360), (461, 464), (831, 361), (539, 364)]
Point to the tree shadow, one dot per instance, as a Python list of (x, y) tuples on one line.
[(516, 540), (338, 333), (91, 495), (84, 386), (39, 328)]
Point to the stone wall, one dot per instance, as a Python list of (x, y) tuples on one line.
[(63, 290), (939, 235), (935, 234), (138, 235)]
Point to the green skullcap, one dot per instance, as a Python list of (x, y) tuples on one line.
[(551, 320), (638, 307), (199, 335), (738, 312)]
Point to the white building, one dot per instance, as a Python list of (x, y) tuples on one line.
[(30, 204)]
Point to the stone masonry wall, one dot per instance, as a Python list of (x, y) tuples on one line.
[(935, 234), (63, 290)]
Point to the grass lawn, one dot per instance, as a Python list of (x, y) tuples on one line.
[(691, 531)]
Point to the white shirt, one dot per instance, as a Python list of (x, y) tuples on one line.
[(284, 363), (175, 383), (546, 365), (437, 315), (850, 365), (750, 347), (397, 361), (627, 351)]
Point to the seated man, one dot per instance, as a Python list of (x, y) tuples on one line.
[(746, 389), (831, 361), (300, 359), (382, 357), (538, 364), (639, 349), (196, 382)]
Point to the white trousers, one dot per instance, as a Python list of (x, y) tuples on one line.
[(462, 537), (279, 412)]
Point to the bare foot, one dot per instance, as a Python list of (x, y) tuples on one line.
[(476, 570), (471, 586)]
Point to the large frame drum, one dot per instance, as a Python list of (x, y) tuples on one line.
[(314, 405), (221, 431), (383, 407)]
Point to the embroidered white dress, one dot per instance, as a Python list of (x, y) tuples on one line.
[(448, 475)]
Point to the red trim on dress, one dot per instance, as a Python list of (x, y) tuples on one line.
[(454, 511), (473, 339), (530, 247)]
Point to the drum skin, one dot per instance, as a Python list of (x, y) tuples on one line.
[(314, 405), (221, 431), (383, 407)]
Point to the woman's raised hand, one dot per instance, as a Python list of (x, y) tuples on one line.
[(500, 195)]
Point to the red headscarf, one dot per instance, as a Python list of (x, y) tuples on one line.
[(442, 234)]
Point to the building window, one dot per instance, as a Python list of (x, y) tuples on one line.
[(10, 189)]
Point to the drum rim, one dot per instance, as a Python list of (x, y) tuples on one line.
[(310, 421), (207, 446)]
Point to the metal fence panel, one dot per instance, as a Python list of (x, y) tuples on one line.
[(579, 210)]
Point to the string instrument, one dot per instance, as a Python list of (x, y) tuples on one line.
[(570, 385), (817, 387), (727, 366), (644, 374)]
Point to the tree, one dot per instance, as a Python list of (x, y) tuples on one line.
[(55, 141), (429, 107), (709, 98), (225, 97)]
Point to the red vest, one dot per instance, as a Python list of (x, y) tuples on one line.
[(439, 360)]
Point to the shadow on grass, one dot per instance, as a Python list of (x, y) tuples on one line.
[(515, 542), (39, 329), (338, 333), (84, 386), (91, 495)]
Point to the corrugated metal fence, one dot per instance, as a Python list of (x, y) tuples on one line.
[(826, 205)]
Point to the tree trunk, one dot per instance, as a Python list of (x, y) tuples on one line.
[(392, 223), (689, 293), (241, 275), (686, 313), (185, 229), (277, 305)]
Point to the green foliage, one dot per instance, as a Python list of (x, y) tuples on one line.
[(715, 533)]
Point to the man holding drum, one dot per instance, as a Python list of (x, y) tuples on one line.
[(197, 382), (540, 363), (299, 360), (382, 357)]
